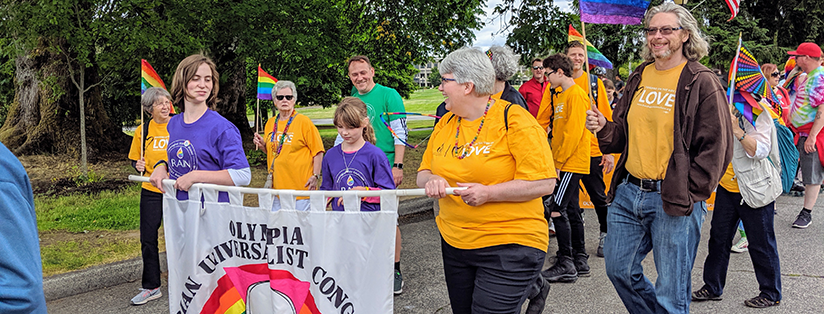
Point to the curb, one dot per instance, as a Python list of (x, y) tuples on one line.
[(103, 276)]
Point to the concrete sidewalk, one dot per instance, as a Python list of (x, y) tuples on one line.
[(801, 253)]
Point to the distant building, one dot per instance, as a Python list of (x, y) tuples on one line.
[(424, 70)]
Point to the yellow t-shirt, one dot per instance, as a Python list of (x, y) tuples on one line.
[(651, 118), (154, 151), (729, 182), (603, 107), (498, 155), (294, 165), (570, 138)]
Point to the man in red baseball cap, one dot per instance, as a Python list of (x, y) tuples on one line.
[(807, 118)]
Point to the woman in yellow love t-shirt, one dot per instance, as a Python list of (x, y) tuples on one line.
[(494, 234), (294, 150), (157, 103)]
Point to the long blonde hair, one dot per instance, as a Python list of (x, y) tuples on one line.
[(351, 113)]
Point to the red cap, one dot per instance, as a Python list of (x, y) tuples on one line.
[(807, 49)]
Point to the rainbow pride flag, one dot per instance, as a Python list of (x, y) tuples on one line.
[(265, 84), (595, 57), (149, 78), (628, 12)]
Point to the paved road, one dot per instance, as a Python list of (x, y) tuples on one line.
[(801, 251)]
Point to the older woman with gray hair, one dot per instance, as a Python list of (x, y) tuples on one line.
[(494, 235), (157, 102), (505, 63), (294, 150)]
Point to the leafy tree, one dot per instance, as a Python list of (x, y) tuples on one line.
[(435, 77)]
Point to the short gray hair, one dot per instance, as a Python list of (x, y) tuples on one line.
[(696, 46), (151, 95), (470, 65), (504, 62), (285, 84)]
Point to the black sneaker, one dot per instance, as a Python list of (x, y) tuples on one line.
[(803, 220), (536, 305), (761, 302), (581, 265), (562, 271), (704, 294)]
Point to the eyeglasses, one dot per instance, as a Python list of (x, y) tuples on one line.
[(444, 80), (775, 74), (551, 72), (162, 104), (281, 97), (664, 30), (538, 68)]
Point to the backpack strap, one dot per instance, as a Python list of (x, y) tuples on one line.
[(145, 133), (506, 116)]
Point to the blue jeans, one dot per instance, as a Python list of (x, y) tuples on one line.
[(762, 246), (637, 224)]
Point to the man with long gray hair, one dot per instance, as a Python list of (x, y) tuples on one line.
[(673, 131)]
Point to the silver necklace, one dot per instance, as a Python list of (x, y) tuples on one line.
[(349, 180)]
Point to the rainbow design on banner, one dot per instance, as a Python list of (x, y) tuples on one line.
[(265, 84), (629, 12), (748, 81), (231, 294), (595, 57)]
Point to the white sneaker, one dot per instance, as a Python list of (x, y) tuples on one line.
[(146, 295), (741, 246), (551, 228)]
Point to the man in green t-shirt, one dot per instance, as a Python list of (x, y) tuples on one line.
[(380, 99)]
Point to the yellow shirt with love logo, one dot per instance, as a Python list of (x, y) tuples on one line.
[(154, 151), (498, 155), (294, 165), (651, 118), (603, 107), (570, 139)]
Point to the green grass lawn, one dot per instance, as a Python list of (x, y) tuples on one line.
[(421, 101)]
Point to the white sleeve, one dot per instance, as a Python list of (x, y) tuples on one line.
[(761, 134), (399, 126), (338, 140), (241, 177)]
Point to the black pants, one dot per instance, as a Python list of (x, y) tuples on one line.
[(493, 279), (594, 184), (151, 214), (569, 227), (758, 223)]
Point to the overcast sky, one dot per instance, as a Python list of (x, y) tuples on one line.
[(485, 38)]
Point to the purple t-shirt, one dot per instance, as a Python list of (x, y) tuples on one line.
[(365, 167), (210, 143)]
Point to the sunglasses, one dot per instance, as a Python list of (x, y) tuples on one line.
[(775, 74), (551, 72), (281, 97), (664, 30), (537, 68), (444, 80)]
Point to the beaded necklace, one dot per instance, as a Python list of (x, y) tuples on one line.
[(282, 136), (466, 150)]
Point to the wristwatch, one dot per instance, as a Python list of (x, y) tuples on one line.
[(398, 165)]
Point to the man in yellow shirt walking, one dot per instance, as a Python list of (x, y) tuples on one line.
[(563, 115), (673, 131)]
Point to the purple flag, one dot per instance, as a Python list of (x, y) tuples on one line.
[(613, 11)]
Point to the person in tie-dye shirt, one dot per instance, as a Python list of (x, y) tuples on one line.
[(807, 122)]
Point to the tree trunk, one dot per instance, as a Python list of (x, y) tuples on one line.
[(45, 114), (231, 103)]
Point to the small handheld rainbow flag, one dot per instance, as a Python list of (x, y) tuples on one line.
[(265, 84), (595, 57), (148, 77)]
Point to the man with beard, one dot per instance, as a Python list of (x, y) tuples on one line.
[(674, 132)]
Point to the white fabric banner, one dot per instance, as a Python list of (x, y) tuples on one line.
[(227, 258)]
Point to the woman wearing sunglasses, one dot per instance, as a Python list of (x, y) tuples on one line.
[(294, 150), (773, 76)]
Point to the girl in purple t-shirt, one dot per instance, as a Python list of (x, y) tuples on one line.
[(355, 164), (203, 146)]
